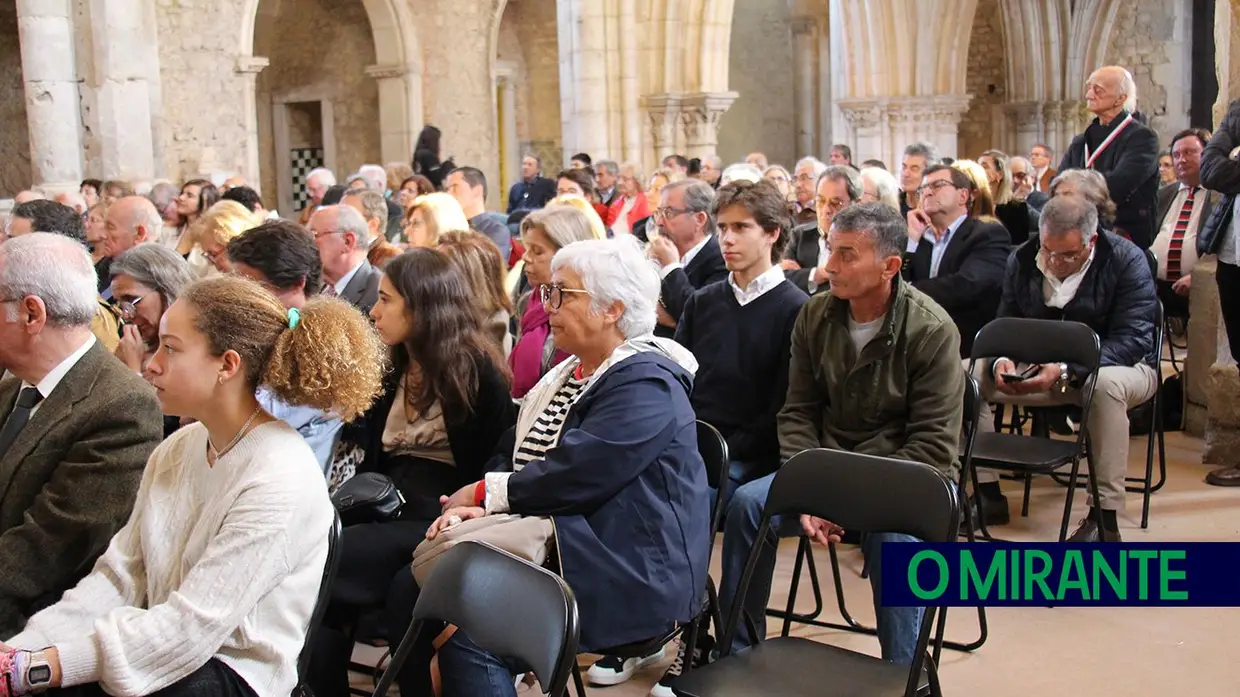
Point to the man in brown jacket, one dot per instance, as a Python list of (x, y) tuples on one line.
[(875, 369), (76, 427)]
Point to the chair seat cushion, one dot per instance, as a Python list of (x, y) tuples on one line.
[(1021, 453), (796, 666)]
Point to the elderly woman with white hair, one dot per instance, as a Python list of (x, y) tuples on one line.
[(879, 186), (632, 537)]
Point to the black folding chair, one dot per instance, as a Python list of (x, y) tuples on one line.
[(508, 607), (320, 606), (1037, 341), (865, 494), (714, 451), (805, 554), (1146, 486)]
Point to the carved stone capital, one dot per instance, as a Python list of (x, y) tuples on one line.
[(252, 65), (390, 70), (939, 109), (663, 110), (701, 113)]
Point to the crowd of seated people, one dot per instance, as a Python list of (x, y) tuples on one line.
[(404, 331)]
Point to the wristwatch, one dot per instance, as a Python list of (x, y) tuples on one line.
[(39, 672), (1061, 385)]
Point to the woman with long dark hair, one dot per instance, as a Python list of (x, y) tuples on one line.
[(426, 158), (197, 195), (443, 409)]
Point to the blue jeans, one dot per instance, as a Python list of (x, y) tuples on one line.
[(470, 671), (897, 626)]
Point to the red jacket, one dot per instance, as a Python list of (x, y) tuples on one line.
[(640, 209)]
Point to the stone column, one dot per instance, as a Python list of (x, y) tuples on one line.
[(45, 30), (400, 113), (630, 83), (805, 76), (1026, 125), (583, 77), (886, 125), (510, 155), (124, 48), (248, 67), (664, 113), (699, 116)]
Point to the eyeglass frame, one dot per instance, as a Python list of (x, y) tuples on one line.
[(132, 306), (1064, 257), (662, 212), (548, 291), (934, 187)]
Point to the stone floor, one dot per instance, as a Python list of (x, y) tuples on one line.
[(1064, 651)]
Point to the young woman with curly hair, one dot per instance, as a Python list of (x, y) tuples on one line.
[(210, 586)]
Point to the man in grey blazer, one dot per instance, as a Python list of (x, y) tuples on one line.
[(343, 239), (76, 427)]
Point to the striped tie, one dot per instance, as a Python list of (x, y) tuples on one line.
[(1176, 248)]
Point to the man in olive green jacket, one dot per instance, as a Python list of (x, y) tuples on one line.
[(875, 369)]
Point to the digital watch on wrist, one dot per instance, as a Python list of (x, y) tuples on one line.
[(39, 672)]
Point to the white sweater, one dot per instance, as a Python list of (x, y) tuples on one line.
[(220, 562)]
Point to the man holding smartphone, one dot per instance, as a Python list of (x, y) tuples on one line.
[(1074, 272)]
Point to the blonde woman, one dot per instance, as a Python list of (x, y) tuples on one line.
[(661, 178), (1020, 220), (981, 201), (218, 226), (430, 215)]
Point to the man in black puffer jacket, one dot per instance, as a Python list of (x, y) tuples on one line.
[(1075, 273)]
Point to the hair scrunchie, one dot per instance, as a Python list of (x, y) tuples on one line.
[(294, 317)]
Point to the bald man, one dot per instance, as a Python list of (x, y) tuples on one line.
[(27, 196), (131, 221), (1118, 145), (73, 200), (232, 182)]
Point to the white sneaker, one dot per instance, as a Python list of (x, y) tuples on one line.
[(611, 670), (701, 653)]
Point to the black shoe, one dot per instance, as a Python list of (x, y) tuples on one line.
[(996, 510), (1224, 476), (1088, 531), (701, 656)]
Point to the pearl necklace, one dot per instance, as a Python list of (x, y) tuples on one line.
[(217, 453)]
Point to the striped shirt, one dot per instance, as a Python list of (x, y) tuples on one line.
[(545, 433)]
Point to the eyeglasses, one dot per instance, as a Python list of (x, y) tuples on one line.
[(318, 234), (932, 187), (830, 206), (129, 308), (1020, 176), (552, 294), (668, 212), (1064, 257)]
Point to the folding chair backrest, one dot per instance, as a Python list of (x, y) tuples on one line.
[(507, 606), (714, 451), (1038, 341), (866, 494), (324, 597), (972, 413)]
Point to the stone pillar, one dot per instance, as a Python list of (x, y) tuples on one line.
[(583, 76), (510, 155), (248, 67), (124, 48), (400, 110), (1203, 344), (699, 116), (630, 84), (664, 113), (804, 81), (886, 125), (45, 30)]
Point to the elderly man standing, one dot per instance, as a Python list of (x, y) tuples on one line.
[(1123, 149), (343, 238), (77, 426), (318, 181)]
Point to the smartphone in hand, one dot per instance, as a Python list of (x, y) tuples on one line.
[(1023, 375)]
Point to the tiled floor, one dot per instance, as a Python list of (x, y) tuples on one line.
[(1068, 651)]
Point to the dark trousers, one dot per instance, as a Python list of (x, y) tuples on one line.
[(1228, 277), (374, 558), (215, 679), (1174, 304)]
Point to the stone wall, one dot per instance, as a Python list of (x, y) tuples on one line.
[(532, 26), (1151, 39), (15, 173), (760, 69), (319, 50), (203, 100), (986, 80)]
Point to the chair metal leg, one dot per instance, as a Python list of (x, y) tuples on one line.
[(398, 659), (578, 684), (1067, 506), (1024, 503)]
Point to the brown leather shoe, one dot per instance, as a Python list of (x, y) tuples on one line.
[(1224, 476)]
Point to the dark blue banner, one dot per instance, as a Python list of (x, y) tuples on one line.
[(1194, 574)]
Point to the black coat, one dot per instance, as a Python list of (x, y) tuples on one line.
[(1130, 165), (1222, 174), (473, 442), (803, 249), (706, 267), (1116, 299), (970, 275)]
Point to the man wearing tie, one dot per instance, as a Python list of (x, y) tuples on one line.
[(77, 427), (1183, 208), (344, 240)]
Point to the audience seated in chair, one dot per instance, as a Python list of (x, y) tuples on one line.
[(805, 257), (444, 407), (344, 240), (632, 537), (875, 369), (1075, 273), (210, 586), (686, 248)]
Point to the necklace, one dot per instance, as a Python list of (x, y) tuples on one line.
[(217, 453)]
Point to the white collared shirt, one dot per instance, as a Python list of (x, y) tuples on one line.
[(343, 283), (684, 261), (55, 375), (1037, 177), (938, 246), (1162, 242), (764, 283), (1059, 293)]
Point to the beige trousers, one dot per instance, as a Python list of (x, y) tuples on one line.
[(1119, 389)]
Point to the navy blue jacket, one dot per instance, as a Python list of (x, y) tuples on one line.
[(627, 490), (1116, 299), (1222, 174)]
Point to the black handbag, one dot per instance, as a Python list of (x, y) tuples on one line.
[(369, 497)]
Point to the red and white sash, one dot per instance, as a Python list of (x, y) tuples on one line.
[(1090, 158)]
